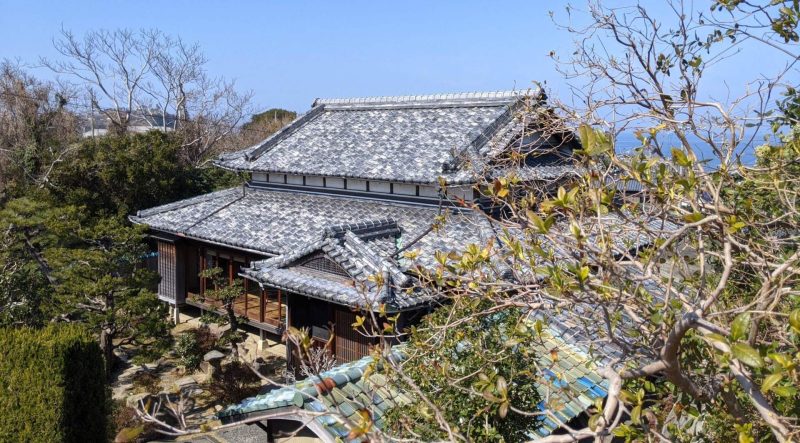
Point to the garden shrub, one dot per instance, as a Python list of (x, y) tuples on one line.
[(52, 386), (147, 382), (193, 344), (188, 350), (233, 383), (206, 340)]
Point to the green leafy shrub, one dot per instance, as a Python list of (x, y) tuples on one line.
[(193, 344), (209, 318), (474, 392), (52, 386), (188, 350)]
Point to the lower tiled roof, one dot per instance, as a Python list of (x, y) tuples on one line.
[(364, 236), (568, 384), (279, 222)]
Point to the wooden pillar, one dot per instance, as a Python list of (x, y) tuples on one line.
[(216, 265), (246, 297), (280, 311), (203, 265), (263, 307), (289, 362)]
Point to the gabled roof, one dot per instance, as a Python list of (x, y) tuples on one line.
[(363, 252), (413, 139)]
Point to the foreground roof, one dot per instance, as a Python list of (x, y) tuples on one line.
[(405, 138), (568, 384)]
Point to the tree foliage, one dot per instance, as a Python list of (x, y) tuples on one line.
[(683, 290), (473, 373), (94, 269), (223, 294), (52, 387), (118, 175)]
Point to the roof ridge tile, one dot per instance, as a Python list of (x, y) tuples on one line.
[(388, 99)]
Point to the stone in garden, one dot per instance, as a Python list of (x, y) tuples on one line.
[(185, 382), (207, 368), (213, 355)]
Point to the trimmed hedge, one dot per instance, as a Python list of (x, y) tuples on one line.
[(52, 386)]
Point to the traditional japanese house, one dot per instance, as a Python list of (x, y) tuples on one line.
[(335, 200)]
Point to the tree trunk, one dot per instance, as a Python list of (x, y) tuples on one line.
[(107, 347), (107, 334), (234, 329)]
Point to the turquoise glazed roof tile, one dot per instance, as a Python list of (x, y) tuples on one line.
[(568, 383)]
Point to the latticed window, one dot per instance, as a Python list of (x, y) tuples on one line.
[(319, 263), (166, 268)]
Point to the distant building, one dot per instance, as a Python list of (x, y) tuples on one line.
[(98, 124)]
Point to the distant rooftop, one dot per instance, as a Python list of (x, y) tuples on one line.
[(97, 124)]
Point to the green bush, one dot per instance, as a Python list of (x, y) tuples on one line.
[(188, 350), (472, 373), (52, 386)]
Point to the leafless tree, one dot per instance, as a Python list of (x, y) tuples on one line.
[(112, 66), (147, 73), (683, 294), (36, 125), (168, 412)]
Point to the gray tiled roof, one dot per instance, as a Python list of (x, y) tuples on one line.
[(356, 249), (538, 172), (278, 222), (363, 234), (412, 139)]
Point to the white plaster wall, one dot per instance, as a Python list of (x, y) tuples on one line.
[(377, 186), (334, 182), (313, 180), (405, 189), (294, 179), (356, 185), (428, 191)]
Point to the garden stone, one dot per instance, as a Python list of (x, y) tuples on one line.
[(121, 355), (208, 369), (185, 382), (213, 356)]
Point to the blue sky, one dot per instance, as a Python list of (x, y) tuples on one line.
[(289, 53)]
